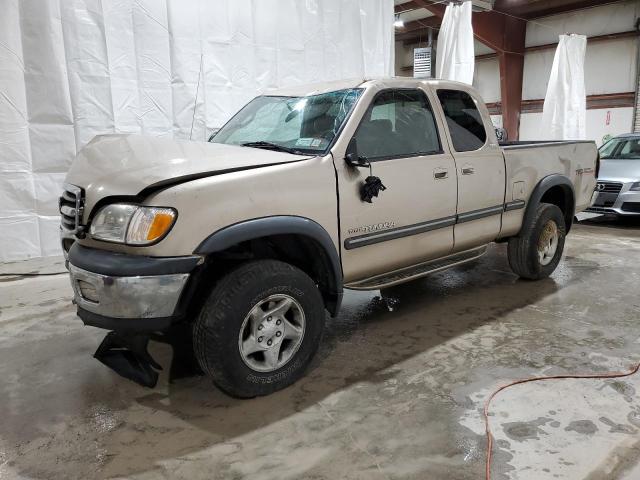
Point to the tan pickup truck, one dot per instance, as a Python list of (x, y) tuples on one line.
[(247, 239)]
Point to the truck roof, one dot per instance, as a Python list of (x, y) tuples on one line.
[(331, 86)]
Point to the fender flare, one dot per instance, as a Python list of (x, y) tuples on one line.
[(543, 187), (281, 225)]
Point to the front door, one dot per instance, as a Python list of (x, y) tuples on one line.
[(412, 220), (481, 169)]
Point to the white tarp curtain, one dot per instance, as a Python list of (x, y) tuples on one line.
[(455, 57), (72, 69), (565, 104)]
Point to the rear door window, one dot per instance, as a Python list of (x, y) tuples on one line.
[(463, 119), (399, 123)]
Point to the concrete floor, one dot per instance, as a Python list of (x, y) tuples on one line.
[(393, 394)]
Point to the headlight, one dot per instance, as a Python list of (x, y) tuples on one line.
[(111, 222), (132, 224), (635, 187)]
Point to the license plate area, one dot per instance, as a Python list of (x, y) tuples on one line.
[(605, 199)]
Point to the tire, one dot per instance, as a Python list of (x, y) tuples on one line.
[(524, 251), (239, 303)]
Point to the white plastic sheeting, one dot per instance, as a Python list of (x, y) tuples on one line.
[(565, 104), (455, 57), (72, 69)]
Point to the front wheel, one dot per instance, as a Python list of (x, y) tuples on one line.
[(259, 329), (536, 251)]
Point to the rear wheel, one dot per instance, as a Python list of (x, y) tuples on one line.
[(536, 251), (259, 329)]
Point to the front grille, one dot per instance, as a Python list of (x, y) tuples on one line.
[(71, 205), (608, 187)]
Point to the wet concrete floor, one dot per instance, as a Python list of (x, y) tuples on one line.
[(393, 394)]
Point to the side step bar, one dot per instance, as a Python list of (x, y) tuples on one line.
[(417, 271)]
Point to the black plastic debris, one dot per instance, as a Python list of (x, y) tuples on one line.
[(371, 188), (129, 358)]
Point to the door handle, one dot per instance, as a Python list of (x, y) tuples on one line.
[(468, 171), (440, 174)]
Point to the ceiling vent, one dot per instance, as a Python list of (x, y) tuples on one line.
[(423, 62), (482, 5)]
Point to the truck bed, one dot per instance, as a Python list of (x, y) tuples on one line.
[(527, 163)]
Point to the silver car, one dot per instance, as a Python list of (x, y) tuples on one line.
[(618, 187)]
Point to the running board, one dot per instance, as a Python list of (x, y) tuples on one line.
[(417, 271)]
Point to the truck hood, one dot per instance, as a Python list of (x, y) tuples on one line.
[(130, 165), (620, 170)]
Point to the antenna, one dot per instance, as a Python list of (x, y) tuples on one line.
[(195, 102)]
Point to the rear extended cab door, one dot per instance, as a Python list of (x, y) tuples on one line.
[(479, 163)]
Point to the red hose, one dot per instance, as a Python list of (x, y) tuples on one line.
[(536, 379)]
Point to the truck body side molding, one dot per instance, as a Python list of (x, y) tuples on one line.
[(481, 213), (400, 232), (415, 229), (515, 205)]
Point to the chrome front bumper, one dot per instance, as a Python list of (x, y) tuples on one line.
[(134, 297), (627, 202)]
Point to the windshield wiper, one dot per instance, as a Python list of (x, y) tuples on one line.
[(271, 146)]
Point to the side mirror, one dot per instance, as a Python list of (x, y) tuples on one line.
[(352, 158), (501, 134)]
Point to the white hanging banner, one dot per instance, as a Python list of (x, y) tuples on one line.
[(73, 69), (455, 57), (565, 104)]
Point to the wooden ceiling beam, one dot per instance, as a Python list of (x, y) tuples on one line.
[(542, 8), (405, 7), (520, 8), (422, 24), (488, 27), (418, 36)]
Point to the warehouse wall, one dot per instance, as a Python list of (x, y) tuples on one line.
[(486, 79), (610, 66), (72, 69), (600, 122)]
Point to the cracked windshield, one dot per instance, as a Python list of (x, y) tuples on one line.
[(291, 124)]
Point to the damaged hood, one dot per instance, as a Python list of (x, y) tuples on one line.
[(129, 165)]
